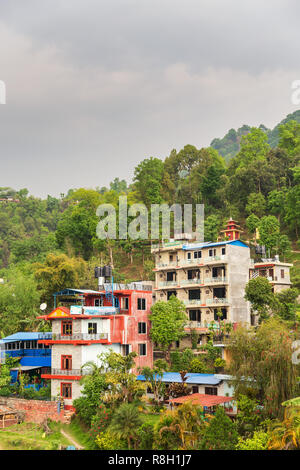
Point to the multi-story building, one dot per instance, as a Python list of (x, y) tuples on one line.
[(95, 322), (34, 359), (275, 271), (209, 278)]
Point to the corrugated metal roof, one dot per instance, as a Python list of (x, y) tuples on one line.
[(201, 379), (196, 246), (24, 336)]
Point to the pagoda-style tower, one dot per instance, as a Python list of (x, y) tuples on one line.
[(232, 231)]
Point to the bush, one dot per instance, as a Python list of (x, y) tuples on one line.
[(221, 433), (197, 366), (259, 441), (145, 436), (5, 391), (106, 441), (100, 421)]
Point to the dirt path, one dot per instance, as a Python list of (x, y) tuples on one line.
[(78, 446)]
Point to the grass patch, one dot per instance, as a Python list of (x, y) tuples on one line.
[(79, 433), (31, 436), (151, 418)]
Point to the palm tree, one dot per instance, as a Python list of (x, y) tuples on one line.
[(285, 434), (125, 423)]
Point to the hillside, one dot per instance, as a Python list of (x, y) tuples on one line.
[(229, 145)]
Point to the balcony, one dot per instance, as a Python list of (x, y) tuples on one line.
[(194, 302), (76, 337), (70, 372), (168, 284), (27, 352), (196, 281), (215, 280), (217, 301)]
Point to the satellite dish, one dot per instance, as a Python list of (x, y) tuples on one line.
[(43, 306)]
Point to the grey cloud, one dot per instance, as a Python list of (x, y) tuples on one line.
[(93, 87)]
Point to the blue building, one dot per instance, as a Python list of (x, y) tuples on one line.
[(34, 358)]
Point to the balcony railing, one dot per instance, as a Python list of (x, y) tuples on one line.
[(215, 280), (167, 265), (69, 372), (193, 302), (191, 281), (168, 283), (27, 352), (217, 301), (79, 337)]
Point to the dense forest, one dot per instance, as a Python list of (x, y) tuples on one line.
[(49, 244), (229, 145)]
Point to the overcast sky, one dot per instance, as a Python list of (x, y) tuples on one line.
[(95, 86)]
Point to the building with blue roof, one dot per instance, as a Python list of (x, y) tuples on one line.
[(209, 277), (208, 384), (34, 358)]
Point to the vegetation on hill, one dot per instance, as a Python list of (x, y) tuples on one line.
[(48, 244), (229, 145)]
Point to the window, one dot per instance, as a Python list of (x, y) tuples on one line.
[(142, 349), (125, 303), (142, 328), (194, 294), (195, 389), (170, 257), (189, 255), (197, 254), (282, 273), (92, 328), (141, 304), (66, 390), (223, 251), (98, 302), (66, 327), (212, 252), (170, 293), (223, 312), (195, 315), (66, 362), (177, 344), (171, 276), (211, 391)]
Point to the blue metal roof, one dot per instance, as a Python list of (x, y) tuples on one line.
[(24, 336), (201, 379), (196, 246)]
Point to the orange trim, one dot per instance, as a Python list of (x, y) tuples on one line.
[(61, 377)]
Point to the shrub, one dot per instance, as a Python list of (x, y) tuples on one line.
[(259, 441), (220, 434), (107, 441), (145, 436), (100, 421)]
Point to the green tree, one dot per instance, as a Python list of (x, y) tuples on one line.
[(221, 433), (261, 361), (167, 324), (258, 292), (256, 204), (125, 423), (148, 180)]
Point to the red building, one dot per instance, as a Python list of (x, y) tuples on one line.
[(233, 230), (87, 323)]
